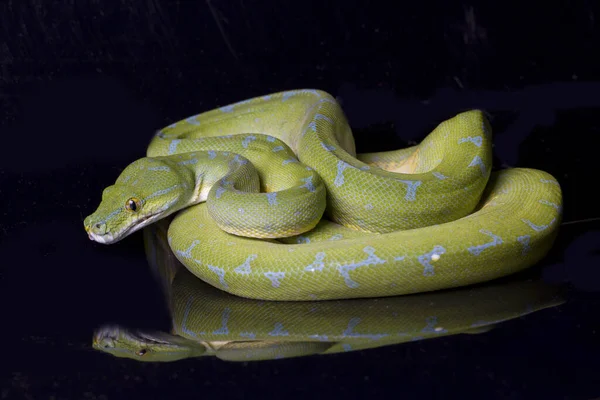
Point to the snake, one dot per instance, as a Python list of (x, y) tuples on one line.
[(270, 200), (208, 322)]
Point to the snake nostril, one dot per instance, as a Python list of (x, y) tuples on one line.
[(99, 228)]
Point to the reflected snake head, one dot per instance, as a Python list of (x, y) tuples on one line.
[(147, 190), (144, 346)]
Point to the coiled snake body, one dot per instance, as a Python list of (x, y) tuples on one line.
[(209, 322), (273, 203)]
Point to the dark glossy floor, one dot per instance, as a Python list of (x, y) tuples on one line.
[(84, 87)]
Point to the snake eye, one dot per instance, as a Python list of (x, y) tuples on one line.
[(133, 204), (141, 352)]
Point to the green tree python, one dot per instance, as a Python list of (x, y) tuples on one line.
[(209, 322), (271, 201)]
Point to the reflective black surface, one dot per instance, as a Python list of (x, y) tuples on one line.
[(84, 86), (208, 322)]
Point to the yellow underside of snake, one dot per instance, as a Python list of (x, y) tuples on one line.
[(271, 201)]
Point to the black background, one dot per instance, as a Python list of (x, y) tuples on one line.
[(84, 84)]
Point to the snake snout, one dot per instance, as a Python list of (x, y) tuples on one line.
[(98, 228), (97, 231)]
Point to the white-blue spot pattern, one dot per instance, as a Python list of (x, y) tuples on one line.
[(193, 120), (318, 264), (245, 268), (372, 259), (223, 330), (279, 330), (341, 166), (161, 168), (411, 189), (220, 273), (327, 147), (247, 141), (272, 198), (188, 162), (173, 145), (524, 240), (477, 140), (275, 278), (538, 228), (496, 240), (308, 184), (219, 192), (430, 327), (425, 259), (478, 162), (188, 307), (353, 323)]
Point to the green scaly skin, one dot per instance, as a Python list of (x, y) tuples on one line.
[(273, 203), (210, 322)]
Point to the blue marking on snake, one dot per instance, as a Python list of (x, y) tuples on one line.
[(272, 198), (476, 140), (173, 145), (223, 330), (425, 259), (524, 240), (411, 189), (192, 120), (538, 228), (247, 141), (496, 240)]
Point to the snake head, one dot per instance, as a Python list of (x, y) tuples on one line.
[(144, 346), (147, 190)]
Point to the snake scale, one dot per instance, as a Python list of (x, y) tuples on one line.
[(271, 201)]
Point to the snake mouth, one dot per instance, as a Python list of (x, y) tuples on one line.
[(106, 332), (106, 238), (114, 332), (113, 237), (137, 225), (102, 239)]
